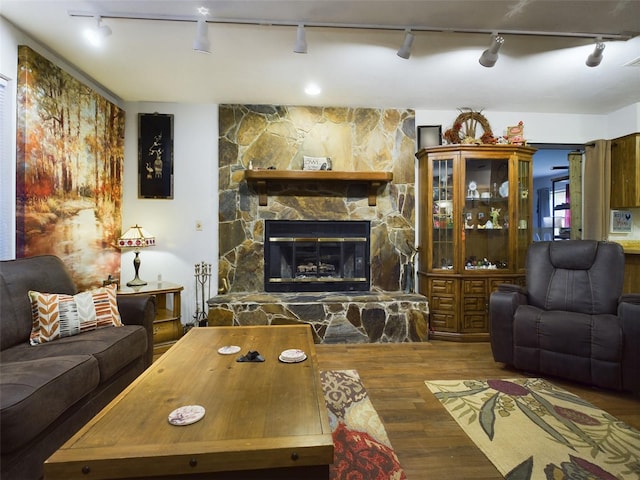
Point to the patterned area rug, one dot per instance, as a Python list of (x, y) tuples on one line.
[(530, 429), (362, 450)]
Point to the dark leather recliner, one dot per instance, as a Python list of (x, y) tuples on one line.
[(571, 320)]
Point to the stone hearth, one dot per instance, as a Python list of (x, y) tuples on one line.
[(335, 317)]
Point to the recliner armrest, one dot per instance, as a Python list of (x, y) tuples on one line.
[(139, 310), (629, 314), (510, 287), (633, 298), (502, 308)]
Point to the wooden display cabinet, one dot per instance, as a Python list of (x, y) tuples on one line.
[(167, 326), (474, 230)]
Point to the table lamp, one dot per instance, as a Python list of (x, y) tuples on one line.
[(136, 237)]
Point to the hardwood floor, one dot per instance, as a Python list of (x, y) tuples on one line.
[(428, 442)]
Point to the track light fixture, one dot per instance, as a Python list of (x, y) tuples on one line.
[(405, 49), (488, 59), (301, 40), (201, 41), (490, 56), (96, 35), (594, 59), (103, 30)]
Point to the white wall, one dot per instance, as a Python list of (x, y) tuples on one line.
[(538, 127), (8, 71), (549, 127), (179, 246), (623, 121)]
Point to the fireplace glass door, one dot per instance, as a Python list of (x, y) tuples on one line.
[(316, 256)]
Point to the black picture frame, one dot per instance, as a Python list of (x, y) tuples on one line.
[(155, 155), (429, 136)]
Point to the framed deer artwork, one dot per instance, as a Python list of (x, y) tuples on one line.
[(155, 155)]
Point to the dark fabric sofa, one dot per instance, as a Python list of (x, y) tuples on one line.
[(49, 391), (572, 320)]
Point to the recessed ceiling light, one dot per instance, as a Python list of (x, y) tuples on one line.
[(312, 89), (203, 11)]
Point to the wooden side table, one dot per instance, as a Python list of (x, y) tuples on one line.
[(167, 327)]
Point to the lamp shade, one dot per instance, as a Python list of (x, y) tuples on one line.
[(136, 237)]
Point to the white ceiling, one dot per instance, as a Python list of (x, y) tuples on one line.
[(150, 60)]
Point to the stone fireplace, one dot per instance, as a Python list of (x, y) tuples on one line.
[(357, 140)]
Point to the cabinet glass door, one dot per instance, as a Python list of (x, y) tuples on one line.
[(442, 214), (523, 215), (486, 214)]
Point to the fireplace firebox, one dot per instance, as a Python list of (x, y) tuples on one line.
[(316, 256)]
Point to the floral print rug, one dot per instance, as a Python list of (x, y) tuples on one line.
[(531, 429), (362, 450)]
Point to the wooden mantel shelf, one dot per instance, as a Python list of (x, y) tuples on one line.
[(262, 177)]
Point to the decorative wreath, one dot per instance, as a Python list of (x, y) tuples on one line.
[(464, 129)]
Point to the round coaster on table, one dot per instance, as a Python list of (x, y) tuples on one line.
[(228, 350), (186, 415), (292, 355)]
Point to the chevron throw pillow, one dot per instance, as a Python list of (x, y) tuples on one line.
[(58, 315)]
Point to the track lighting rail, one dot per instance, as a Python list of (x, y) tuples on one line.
[(414, 28)]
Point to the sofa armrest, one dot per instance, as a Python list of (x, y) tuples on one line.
[(629, 314), (139, 310), (502, 308)]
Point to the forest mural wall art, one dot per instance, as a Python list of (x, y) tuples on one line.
[(70, 153)]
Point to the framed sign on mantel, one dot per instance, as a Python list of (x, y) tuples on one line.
[(155, 155)]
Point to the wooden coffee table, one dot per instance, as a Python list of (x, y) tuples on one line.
[(262, 420)]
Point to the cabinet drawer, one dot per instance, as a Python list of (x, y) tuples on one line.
[(474, 287), (475, 304), (166, 331), (439, 285), (494, 283), (442, 303), (158, 350), (442, 321), (475, 323)]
